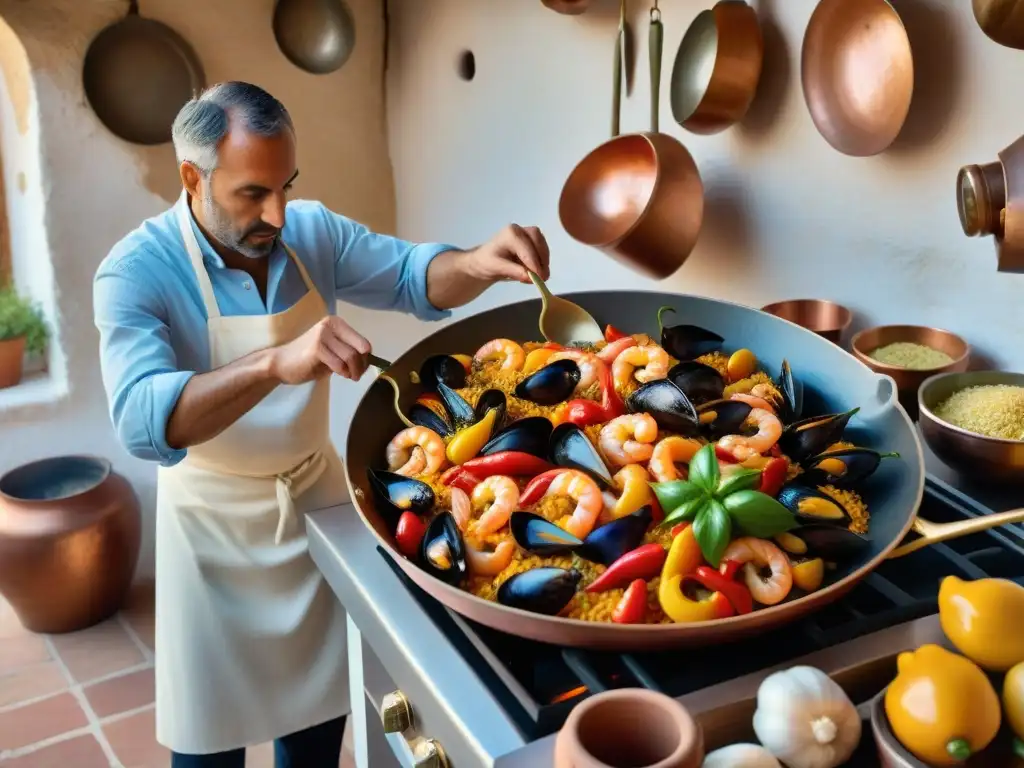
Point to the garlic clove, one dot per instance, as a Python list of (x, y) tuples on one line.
[(741, 756)]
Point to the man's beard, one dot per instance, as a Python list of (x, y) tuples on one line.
[(219, 225)]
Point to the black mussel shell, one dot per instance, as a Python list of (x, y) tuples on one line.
[(538, 536), (687, 342), (530, 435), (492, 399), (792, 395), (803, 439), (395, 494), (570, 447), (811, 505), (667, 404), (611, 541), (460, 413), (844, 468), (443, 552), (831, 542), (540, 590), (552, 384), (443, 368), (425, 416), (700, 383), (723, 417)]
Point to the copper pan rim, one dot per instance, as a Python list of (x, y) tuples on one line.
[(935, 378), (106, 465), (856, 344)]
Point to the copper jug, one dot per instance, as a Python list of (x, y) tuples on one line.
[(990, 201)]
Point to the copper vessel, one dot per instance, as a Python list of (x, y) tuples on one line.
[(568, 7), (825, 318), (858, 74), (1002, 21), (638, 197), (12, 360), (990, 201), (70, 532), (726, 42)]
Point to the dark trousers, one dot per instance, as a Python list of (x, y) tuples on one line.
[(316, 747)]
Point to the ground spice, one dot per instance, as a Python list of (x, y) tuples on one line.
[(907, 354), (994, 410)]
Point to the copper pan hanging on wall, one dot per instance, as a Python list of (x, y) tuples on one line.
[(317, 36), (638, 197), (1001, 20), (568, 7), (858, 74)]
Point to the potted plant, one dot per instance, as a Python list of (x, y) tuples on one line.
[(22, 329)]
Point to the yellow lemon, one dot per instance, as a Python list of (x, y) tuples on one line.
[(983, 618)]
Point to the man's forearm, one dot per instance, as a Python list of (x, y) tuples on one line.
[(212, 402), (450, 281)]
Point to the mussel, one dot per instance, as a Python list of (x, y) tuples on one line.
[(442, 551), (722, 417), (570, 447), (530, 435), (830, 542), (492, 399), (803, 439), (442, 368), (792, 391), (611, 541), (667, 404), (540, 590), (460, 413), (687, 342), (425, 416), (539, 536), (844, 468), (395, 494), (812, 505), (700, 383), (552, 384)]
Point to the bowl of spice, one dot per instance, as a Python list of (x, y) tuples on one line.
[(974, 423), (910, 354)]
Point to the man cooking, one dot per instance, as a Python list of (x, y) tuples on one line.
[(218, 340)]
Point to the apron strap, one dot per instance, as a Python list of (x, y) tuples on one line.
[(292, 484), (300, 266), (195, 255)]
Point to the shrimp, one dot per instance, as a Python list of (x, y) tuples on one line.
[(652, 363), (769, 430), (512, 355), (617, 347), (753, 401), (756, 555), (670, 452), (500, 495), (484, 563), (416, 451), (589, 365), (462, 508), (628, 439), (589, 501)]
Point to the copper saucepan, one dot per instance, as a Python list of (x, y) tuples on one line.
[(638, 197)]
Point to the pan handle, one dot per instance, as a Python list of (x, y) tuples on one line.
[(932, 533), (620, 48), (397, 398), (655, 44)]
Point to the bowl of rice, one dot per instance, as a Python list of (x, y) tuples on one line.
[(974, 423)]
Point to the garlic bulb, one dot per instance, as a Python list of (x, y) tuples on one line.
[(741, 756), (805, 719)]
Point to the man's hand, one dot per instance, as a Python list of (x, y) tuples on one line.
[(508, 255), (330, 346)]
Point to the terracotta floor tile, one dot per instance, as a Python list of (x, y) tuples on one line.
[(30, 682), (97, 651), (133, 740), (20, 650), (50, 717), (139, 613), (121, 694), (79, 752)]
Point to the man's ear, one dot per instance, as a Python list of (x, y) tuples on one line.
[(190, 178)]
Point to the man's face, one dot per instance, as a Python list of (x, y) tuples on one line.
[(243, 202)]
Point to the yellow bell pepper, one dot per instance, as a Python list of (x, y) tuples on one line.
[(467, 442), (941, 706), (982, 618), (683, 559), (1013, 705), (466, 360), (808, 574), (636, 490), (537, 359)]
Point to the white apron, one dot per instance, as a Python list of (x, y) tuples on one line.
[(250, 640)]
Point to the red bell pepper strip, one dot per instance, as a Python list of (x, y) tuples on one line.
[(657, 513), (773, 476), (611, 333), (514, 463), (679, 528), (409, 534), (723, 455), (644, 562), (737, 594), (610, 401), (775, 451), (584, 413), (537, 487), (460, 477), (729, 568), (551, 345), (632, 608)]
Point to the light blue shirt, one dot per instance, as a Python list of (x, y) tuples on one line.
[(152, 322)]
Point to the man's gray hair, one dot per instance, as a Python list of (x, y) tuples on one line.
[(204, 121)]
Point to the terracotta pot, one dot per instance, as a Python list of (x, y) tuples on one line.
[(630, 727), (12, 357), (70, 532)]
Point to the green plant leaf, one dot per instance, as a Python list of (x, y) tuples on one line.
[(758, 514), (713, 530), (675, 493), (19, 318), (704, 471), (661, 323), (686, 511), (740, 480)]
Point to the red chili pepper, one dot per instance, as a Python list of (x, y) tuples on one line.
[(409, 534), (551, 345), (611, 333), (514, 463), (737, 594), (773, 476), (657, 513), (723, 455), (610, 401), (584, 413), (644, 562), (460, 477), (775, 451), (537, 487), (679, 528), (632, 608), (729, 568)]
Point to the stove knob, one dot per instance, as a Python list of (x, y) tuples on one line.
[(395, 713), (427, 753)]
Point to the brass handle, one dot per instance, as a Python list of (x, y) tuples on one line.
[(428, 753), (933, 533), (396, 713)]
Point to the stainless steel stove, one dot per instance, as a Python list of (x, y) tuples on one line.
[(450, 690)]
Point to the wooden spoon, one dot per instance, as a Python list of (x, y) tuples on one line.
[(563, 322)]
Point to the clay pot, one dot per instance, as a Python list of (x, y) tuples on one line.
[(12, 357), (70, 532), (630, 727)]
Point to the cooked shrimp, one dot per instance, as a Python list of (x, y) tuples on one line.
[(628, 439), (416, 451), (757, 555), (589, 365), (484, 563), (500, 495), (765, 392), (668, 454), (589, 501), (462, 508), (642, 363), (617, 347), (511, 355), (754, 401), (769, 430)]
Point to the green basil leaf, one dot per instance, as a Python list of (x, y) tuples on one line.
[(741, 480), (704, 471), (713, 530), (758, 514), (675, 493), (686, 511)]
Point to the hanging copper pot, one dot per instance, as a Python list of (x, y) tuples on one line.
[(1001, 20), (568, 7), (990, 201)]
